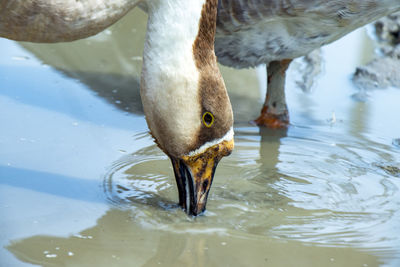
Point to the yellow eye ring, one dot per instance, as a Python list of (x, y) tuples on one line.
[(208, 119)]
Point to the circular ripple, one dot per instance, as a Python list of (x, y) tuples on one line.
[(294, 186), (140, 178)]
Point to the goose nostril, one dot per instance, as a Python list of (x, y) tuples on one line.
[(205, 184)]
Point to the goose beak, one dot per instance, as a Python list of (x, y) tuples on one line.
[(194, 175)]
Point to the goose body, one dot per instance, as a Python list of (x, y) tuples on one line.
[(254, 32), (184, 96), (51, 21), (273, 32)]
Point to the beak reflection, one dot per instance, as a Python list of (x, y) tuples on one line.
[(194, 176)]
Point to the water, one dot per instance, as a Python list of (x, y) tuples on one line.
[(82, 184)]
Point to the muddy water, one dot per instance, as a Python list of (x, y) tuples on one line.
[(82, 184)]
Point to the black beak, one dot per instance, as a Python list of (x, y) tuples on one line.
[(194, 176), (192, 193)]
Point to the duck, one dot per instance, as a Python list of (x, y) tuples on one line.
[(184, 96)]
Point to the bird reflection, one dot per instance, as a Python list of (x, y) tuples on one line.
[(118, 239)]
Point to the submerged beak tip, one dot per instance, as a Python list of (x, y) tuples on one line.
[(194, 176)]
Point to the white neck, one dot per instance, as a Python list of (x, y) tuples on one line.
[(174, 25), (169, 77)]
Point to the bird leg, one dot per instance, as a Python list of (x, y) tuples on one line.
[(274, 113)]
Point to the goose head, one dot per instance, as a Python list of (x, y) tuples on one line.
[(184, 97)]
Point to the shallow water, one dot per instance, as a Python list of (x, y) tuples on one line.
[(82, 184)]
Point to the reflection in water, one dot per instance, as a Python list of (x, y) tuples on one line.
[(50, 183), (324, 198), (117, 240), (122, 91)]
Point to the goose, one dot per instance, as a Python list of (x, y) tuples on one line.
[(185, 101), (184, 98)]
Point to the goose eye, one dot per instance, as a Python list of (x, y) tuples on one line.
[(208, 119)]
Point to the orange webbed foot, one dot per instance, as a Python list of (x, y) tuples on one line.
[(271, 120)]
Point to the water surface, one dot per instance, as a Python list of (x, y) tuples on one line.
[(82, 183)]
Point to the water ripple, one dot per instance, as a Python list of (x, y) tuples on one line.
[(291, 184)]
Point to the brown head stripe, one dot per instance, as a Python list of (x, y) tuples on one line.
[(212, 93)]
